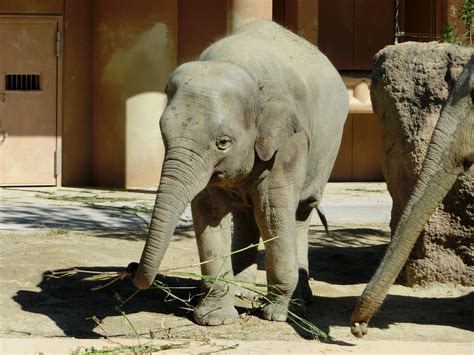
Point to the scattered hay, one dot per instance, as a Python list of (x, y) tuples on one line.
[(265, 296)]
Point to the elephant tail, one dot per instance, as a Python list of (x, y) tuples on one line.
[(323, 219)]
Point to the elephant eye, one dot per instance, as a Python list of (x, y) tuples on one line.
[(224, 143)]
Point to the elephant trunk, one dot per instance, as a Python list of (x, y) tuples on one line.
[(426, 196), (184, 175), (449, 151)]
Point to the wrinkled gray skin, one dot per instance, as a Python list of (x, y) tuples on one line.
[(252, 130), (450, 152)]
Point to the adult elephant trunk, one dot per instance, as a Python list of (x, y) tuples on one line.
[(450, 151), (183, 176)]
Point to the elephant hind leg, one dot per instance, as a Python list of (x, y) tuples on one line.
[(244, 263), (303, 219)]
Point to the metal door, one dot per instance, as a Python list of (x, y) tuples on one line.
[(29, 100)]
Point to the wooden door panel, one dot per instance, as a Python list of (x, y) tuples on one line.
[(335, 32), (28, 113), (421, 20), (350, 32), (374, 28)]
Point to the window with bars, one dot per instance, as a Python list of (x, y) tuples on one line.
[(22, 82)]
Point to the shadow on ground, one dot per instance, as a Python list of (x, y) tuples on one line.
[(348, 249), (26, 216), (180, 234), (345, 256), (325, 312), (70, 303)]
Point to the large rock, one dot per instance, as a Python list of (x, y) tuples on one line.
[(410, 83)]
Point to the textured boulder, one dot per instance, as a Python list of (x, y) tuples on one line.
[(410, 83)]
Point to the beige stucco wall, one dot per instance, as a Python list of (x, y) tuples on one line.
[(134, 53), (117, 56), (77, 144), (308, 20), (199, 24), (243, 11), (75, 134), (360, 154)]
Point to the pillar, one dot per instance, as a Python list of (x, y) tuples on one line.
[(242, 11)]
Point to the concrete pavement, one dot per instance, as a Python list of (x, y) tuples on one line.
[(44, 229), (94, 209)]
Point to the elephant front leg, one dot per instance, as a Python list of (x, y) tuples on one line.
[(212, 222), (276, 219)]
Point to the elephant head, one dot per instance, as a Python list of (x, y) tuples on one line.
[(214, 129), (450, 152)]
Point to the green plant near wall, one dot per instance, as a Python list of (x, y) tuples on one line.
[(447, 34), (466, 15)]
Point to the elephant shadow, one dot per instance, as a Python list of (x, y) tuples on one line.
[(327, 312), (342, 258), (72, 304), (346, 258)]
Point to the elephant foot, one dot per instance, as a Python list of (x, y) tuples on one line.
[(278, 306), (276, 312), (246, 293), (359, 329), (247, 280), (212, 311)]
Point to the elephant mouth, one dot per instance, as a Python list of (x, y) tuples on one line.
[(217, 175)]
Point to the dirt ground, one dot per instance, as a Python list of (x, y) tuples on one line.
[(34, 306)]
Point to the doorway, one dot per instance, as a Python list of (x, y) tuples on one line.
[(30, 115)]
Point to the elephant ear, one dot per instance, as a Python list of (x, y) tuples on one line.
[(278, 122)]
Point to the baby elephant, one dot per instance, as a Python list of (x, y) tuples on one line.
[(252, 129)]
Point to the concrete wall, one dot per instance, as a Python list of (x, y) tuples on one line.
[(77, 93), (134, 53), (196, 30), (117, 56), (243, 11), (360, 155)]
